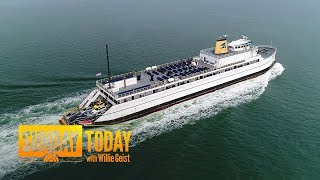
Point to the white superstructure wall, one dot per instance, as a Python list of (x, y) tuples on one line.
[(219, 61)]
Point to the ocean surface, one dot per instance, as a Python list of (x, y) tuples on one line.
[(264, 128)]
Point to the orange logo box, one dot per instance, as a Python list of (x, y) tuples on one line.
[(50, 141)]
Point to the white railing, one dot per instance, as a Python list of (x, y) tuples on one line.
[(230, 53)]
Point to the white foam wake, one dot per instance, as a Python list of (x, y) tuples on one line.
[(44, 113), (143, 128)]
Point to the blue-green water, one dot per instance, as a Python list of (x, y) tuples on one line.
[(267, 127)]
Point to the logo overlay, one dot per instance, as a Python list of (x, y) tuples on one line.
[(57, 143)]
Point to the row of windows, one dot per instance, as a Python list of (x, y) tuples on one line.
[(242, 46), (185, 82), (232, 64)]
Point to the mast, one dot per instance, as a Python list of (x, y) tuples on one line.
[(108, 65)]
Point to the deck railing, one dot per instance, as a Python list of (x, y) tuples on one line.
[(230, 53), (157, 84)]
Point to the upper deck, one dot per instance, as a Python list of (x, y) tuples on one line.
[(209, 51), (160, 75)]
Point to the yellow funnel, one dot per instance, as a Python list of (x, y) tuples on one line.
[(221, 46)]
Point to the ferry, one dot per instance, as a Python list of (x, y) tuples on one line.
[(135, 94)]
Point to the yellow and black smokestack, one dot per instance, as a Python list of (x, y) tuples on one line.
[(221, 46)]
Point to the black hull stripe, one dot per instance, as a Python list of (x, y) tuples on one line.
[(182, 99)]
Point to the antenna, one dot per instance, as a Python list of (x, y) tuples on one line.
[(108, 65), (244, 37)]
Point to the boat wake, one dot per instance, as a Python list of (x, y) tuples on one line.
[(44, 113), (143, 128)]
